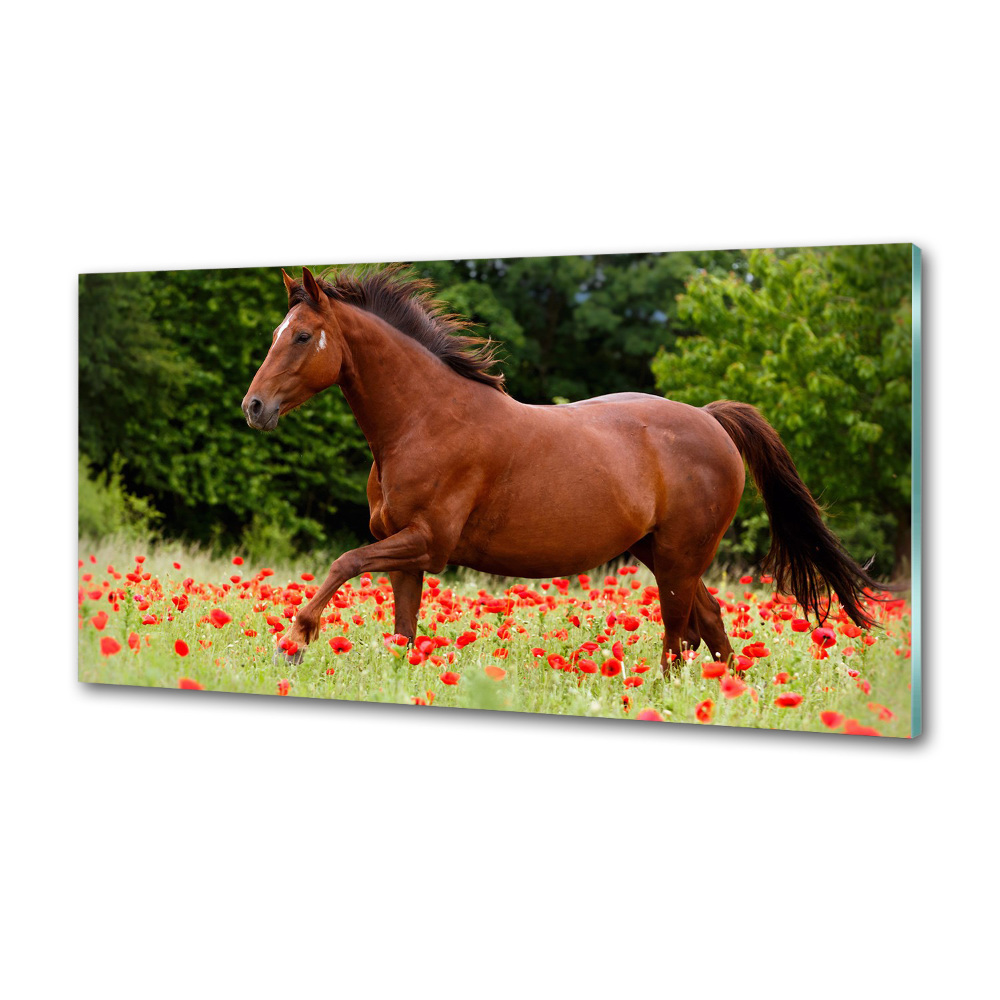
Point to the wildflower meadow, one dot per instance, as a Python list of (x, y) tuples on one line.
[(586, 646)]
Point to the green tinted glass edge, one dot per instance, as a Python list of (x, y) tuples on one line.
[(916, 723)]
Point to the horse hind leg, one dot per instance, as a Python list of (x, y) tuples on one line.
[(706, 617), (699, 624)]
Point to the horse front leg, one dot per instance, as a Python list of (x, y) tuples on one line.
[(407, 551), (406, 587)]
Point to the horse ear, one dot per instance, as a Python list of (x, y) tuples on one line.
[(289, 282), (312, 288)]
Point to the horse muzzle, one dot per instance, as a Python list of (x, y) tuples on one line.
[(261, 416)]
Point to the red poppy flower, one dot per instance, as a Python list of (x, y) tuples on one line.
[(109, 646), (788, 700), (824, 637), (611, 667), (731, 687), (189, 685), (99, 620), (705, 710), (557, 662), (832, 719), (341, 644), (884, 713), (219, 617), (290, 646), (587, 666), (650, 715), (496, 673), (238, 561), (181, 647), (283, 686), (133, 641), (449, 678), (800, 625), (713, 669), (629, 622), (619, 650), (746, 579), (781, 678), (633, 682), (854, 728)]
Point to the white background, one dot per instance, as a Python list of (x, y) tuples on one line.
[(157, 844)]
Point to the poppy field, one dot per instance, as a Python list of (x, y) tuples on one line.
[(586, 646)]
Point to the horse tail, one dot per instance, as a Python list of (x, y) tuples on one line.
[(806, 557)]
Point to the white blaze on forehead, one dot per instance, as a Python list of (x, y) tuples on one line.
[(322, 340), (277, 333)]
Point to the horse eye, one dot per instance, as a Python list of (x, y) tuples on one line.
[(302, 338)]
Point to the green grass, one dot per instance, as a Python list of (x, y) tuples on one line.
[(226, 659)]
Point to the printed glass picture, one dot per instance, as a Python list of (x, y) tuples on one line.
[(667, 487)]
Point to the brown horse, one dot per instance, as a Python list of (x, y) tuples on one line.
[(466, 475)]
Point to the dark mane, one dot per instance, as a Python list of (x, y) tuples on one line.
[(406, 302)]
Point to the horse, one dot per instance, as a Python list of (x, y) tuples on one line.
[(464, 474)]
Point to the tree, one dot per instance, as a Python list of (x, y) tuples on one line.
[(165, 359), (575, 327), (126, 362), (819, 341)]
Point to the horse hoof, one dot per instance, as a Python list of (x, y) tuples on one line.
[(283, 659)]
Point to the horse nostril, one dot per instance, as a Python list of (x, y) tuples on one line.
[(254, 407)]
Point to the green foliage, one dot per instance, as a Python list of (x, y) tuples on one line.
[(107, 508), (180, 424), (820, 342), (575, 327), (127, 366)]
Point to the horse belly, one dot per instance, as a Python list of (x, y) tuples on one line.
[(554, 528)]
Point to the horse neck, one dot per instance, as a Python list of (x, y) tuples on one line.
[(386, 376)]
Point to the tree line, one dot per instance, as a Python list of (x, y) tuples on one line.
[(818, 339)]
